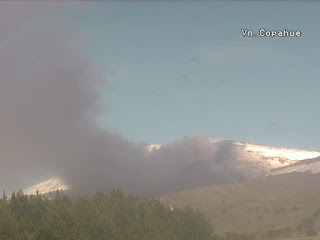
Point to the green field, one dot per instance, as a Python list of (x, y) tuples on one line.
[(256, 206)]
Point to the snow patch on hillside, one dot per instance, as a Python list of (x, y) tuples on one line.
[(48, 186), (153, 147), (249, 160), (284, 153), (312, 166)]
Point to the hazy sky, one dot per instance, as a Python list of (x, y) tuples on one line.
[(183, 68)]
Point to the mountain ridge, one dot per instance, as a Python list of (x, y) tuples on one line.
[(229, 161)]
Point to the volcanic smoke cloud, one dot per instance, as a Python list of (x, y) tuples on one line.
[(49, 103)]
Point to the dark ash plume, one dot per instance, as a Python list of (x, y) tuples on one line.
[(49, 103)]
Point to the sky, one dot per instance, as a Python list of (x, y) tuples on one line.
[(183, 68), (179, 69)]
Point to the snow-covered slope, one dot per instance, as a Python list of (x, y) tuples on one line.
[(281, 153), (310, 165), (153, 147), (249, 160), (50, 185), (225, 159), (264, 158)]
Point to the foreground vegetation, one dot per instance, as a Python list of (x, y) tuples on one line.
[(279, 207), (284, 206), (115, 216)]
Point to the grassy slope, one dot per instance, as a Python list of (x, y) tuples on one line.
[(254, 206)]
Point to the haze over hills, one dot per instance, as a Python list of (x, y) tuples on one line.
[(206, 162), (253, 189), (250, 160), (275, 203)]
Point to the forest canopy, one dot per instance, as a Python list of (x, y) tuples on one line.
[(113, 216)]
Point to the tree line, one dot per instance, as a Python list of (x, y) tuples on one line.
[(113, 216)]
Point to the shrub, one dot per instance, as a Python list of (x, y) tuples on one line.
[(279, 233), (236, 236)]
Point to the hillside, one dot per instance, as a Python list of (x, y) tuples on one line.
[(309, 165), (199, 161), (256, 206), (247, 159)]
